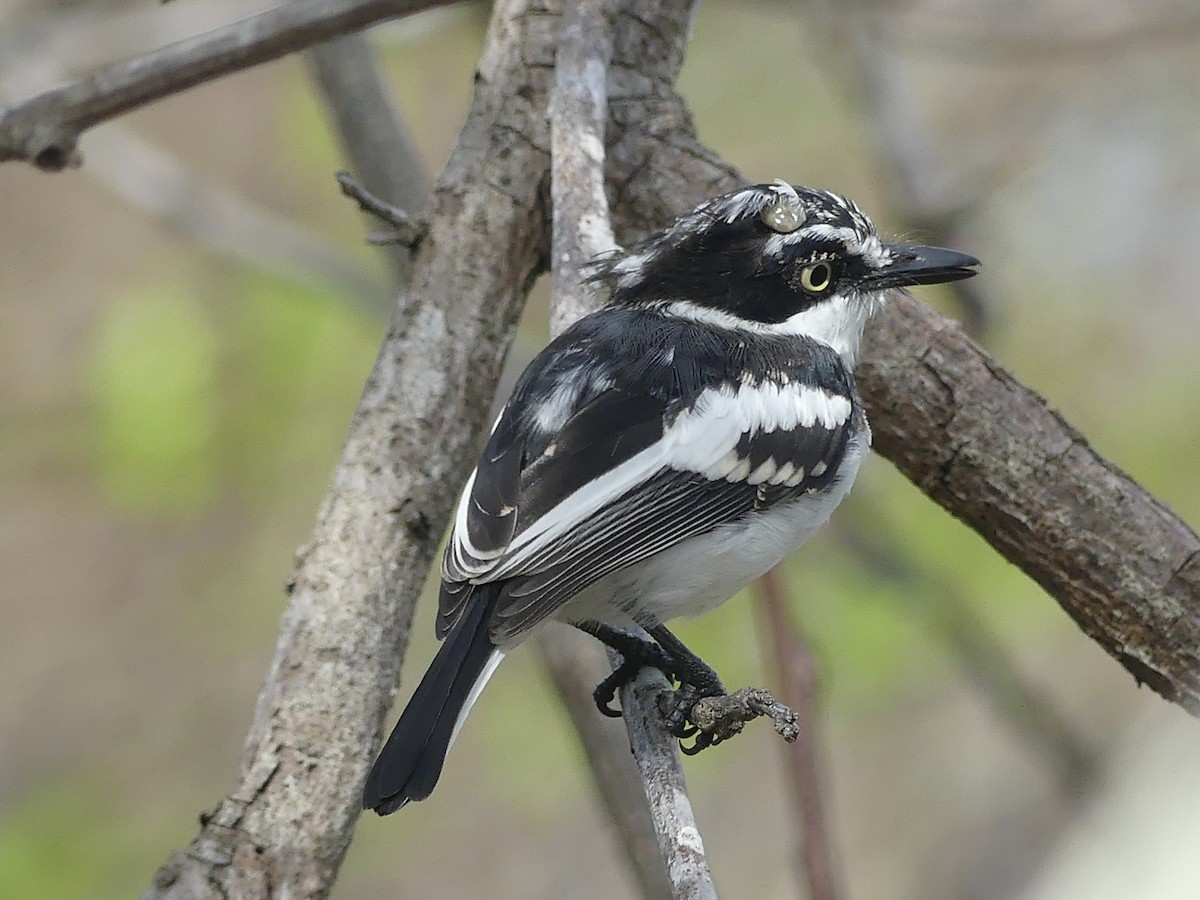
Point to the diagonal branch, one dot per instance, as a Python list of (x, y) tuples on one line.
[(993, 453), (986, 447), (45, 129), (372, 135), (285, 828)]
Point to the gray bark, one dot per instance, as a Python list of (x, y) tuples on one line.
[(45, 129), (951, 418), (286, 827)]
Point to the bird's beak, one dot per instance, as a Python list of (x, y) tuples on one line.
[(915, 264)]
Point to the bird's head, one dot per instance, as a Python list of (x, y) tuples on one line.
[(776, 258)]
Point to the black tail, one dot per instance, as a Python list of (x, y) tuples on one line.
[(410, 763)]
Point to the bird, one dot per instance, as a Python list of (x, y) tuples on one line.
[(662, 452)]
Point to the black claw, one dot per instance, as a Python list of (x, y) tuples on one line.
[(703, 741), (637, 653), (696, 679), (606, 691)]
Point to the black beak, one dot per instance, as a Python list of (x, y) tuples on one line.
[(914, 264)]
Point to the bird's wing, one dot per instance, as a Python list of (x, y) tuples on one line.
[(625, 477)]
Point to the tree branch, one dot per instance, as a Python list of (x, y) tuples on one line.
[(371, 133), (666, 790), (575, 664), (796, 671), (578, 115), (991, 451), (285, 828), (45, 129)]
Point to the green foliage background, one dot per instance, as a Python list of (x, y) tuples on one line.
[(181, 443)]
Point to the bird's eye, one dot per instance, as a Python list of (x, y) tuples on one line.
[(817, 277), (783, 216)]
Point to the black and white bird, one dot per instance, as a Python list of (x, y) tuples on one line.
[(662, 452)]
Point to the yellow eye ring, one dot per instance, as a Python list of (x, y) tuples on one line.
[(816, 277)]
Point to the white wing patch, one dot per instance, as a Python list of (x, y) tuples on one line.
[(552, 412), (702, 439)]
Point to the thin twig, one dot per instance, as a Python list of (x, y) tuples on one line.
[(45, 129), (578, 115), (797, 675), (575, 663), (407, 230), (371, 133), (655, 750)]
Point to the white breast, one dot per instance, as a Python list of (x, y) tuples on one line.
[(703, 572)]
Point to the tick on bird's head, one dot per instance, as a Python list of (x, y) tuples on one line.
[(768, 251)]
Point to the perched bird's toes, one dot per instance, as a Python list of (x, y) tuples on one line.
[(606, 691), (703, 741)]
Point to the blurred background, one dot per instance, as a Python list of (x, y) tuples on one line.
[(186, 322)]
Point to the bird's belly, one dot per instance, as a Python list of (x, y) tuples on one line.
[(703, 572)]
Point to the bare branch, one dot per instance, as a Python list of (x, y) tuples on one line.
[(994, 454), (578, 114), (797, 674), (45, 129), (575, 664), (407, 231), (371, 133), (658, 759)]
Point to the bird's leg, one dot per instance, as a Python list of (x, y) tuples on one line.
[(669, 655), (636, 652), (697, 680)]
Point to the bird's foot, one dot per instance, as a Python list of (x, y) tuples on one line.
[(696, 679), (637, 653)]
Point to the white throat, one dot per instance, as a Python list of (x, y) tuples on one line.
[(838, 321)]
